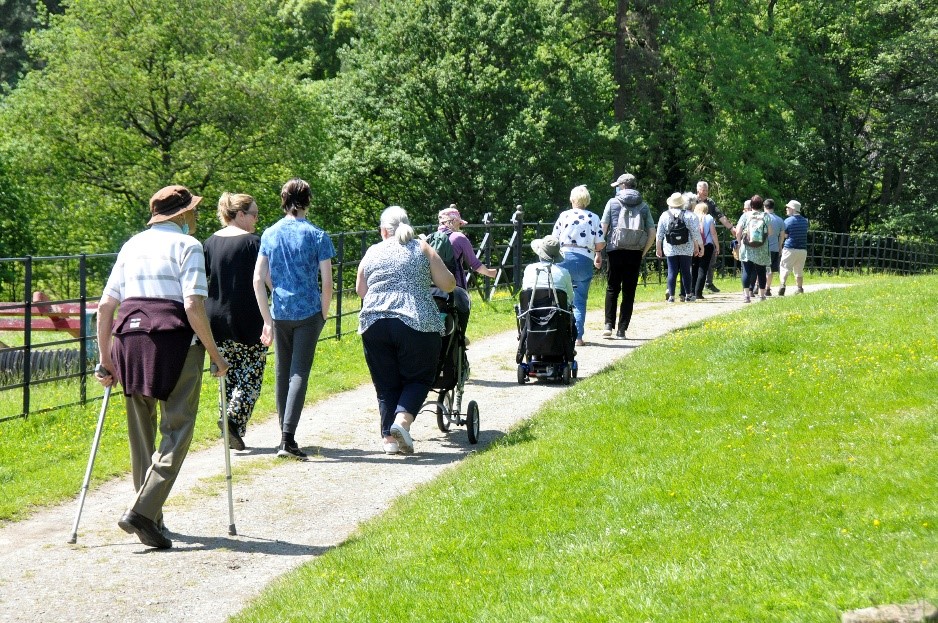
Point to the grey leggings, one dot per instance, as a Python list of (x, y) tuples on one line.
[(294, 348)]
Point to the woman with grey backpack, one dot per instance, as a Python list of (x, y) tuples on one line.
[(629, 230)]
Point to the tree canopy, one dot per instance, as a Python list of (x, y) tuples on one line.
[(485, 103)]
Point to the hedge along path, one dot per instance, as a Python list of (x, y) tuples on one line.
[(286, 512)]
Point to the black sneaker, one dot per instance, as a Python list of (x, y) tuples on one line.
[(291, 452), (234, 439), (768, 291), (713, 288), (781, 291), (620, 335), (607, 331)]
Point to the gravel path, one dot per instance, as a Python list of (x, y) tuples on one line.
[(286, 512)]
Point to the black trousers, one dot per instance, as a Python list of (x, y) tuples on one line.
[(699, 267), (624, 268), (403, 364)]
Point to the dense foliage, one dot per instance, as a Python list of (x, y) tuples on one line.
[(486, 103)]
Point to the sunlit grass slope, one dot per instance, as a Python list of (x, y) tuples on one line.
[(777, 464)]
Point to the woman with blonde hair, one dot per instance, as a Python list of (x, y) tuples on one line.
[(400, 323), (581, 239), (230, 256), (700, 264)]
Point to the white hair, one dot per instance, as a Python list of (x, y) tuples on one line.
[(689, 200), (580, 197), (394, 221)]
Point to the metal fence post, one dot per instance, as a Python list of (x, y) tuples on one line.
[(340, 286), (27, 333), (82, 329), (517, 219)]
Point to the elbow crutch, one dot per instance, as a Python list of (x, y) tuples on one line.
[(94, 450), (223, 408)]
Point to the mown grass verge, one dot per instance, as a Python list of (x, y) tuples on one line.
[(43, 458), (776, 464)]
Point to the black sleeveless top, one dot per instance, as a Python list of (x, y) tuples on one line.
[(231, 306)]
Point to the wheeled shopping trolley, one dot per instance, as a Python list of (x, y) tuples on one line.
[(452, 374)]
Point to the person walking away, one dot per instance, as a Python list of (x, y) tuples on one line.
[(230, 257), (711, 245), (794, 246), (703, 194), (400, 323), (157, 351), (451, 223), (678, 239), (752, 234), (293, 253), (624, 264), (580, 236), (776, 229)]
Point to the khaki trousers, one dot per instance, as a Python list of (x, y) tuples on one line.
[(155, 471)]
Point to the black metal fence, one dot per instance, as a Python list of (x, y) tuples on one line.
[(77, 281)]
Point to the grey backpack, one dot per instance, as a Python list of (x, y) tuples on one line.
[(630, 233)]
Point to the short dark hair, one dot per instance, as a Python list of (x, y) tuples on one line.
[(769, 204), (756, 202)]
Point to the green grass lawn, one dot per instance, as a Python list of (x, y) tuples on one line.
[(43, 458), (775, 464)]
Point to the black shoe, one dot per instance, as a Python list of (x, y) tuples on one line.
[(234, 439), (781, 291), (700, 297), (620, 335), (291, 452), (713, 288), (145, 529), (768, 291), (607, 330)]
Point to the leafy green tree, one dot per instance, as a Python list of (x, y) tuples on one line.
[(17, 17), (473, 102), (862, 120), (310, 33), (134, 96)]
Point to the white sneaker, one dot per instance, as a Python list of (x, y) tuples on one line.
[(403, 437), (391, 447)]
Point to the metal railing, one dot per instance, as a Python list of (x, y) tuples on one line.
[(504, 246)]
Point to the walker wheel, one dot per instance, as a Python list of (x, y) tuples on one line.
[(472, 421), (444, 407)]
